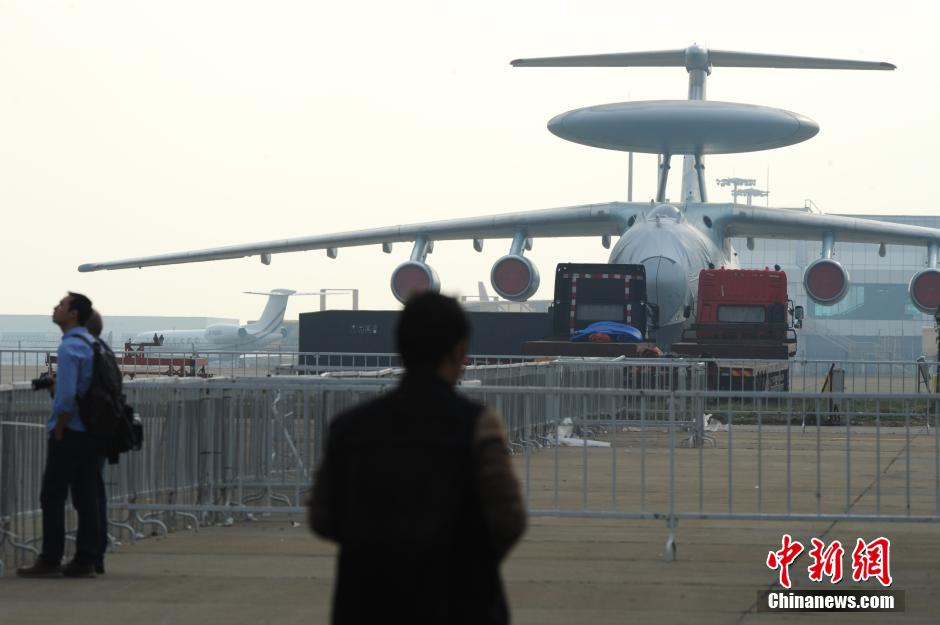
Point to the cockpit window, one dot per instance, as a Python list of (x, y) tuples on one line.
[(666, 211)]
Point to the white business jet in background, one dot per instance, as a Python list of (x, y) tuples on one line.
[(224, 336)]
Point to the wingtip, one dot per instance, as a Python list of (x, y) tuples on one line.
[(86, 267), (517, 62), (888, 66)]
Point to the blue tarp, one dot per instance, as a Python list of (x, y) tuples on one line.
[(618, 332)]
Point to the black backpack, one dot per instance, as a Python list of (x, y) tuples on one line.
[(103, 408), (128, 435)]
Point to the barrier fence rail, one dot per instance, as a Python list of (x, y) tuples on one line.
[(226, 448), (22, 365)]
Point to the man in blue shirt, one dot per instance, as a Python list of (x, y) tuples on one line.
[(71, 455)]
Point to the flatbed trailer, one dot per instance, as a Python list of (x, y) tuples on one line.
[(134, 364), (736, 340), (589, 350)]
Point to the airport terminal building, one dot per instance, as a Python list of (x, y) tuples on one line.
[(876, 320)]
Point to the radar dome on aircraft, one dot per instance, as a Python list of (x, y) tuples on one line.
[(683, 127)]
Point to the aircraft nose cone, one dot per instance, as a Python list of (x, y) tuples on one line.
[(556, 126), (666, 286)]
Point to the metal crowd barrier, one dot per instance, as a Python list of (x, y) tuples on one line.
[(213, 449), (22, 365), (717, 374), (640, 373), (222, 449)]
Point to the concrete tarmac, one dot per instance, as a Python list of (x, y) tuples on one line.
[(566, 571)]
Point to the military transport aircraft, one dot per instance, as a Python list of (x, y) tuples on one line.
[(673, 241)]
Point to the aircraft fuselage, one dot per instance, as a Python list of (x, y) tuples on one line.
[(673, 248), (180, 341)]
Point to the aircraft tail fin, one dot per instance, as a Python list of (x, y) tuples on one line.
[(724, 58), (273, 315), (663, 58), (695, 57)]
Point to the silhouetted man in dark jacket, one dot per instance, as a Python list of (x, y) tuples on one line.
[(418, 490)]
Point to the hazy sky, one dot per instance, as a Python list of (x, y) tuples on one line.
[(133, 128)]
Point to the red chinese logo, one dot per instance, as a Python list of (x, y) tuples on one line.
[(872, 560), (784, 558), (827, 561), (869, 560)]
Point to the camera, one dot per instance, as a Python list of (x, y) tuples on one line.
[(44, 381)]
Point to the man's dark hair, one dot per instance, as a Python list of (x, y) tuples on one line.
[(95, 323), (82, 304), (428, 328)]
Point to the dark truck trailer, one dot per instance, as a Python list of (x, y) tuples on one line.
[(586, 293), (589, 292), (373, 332)]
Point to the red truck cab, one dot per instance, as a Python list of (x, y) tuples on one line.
[(741, 313), (751, 300)]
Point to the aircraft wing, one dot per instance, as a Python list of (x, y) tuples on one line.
[(775, 223), (571, 221)]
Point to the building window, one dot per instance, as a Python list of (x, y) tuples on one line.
[(870, 301)]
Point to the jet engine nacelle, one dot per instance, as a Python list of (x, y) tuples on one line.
[(222, 333), (925, 290), (514, 277), (826, 281), (413, 277)]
